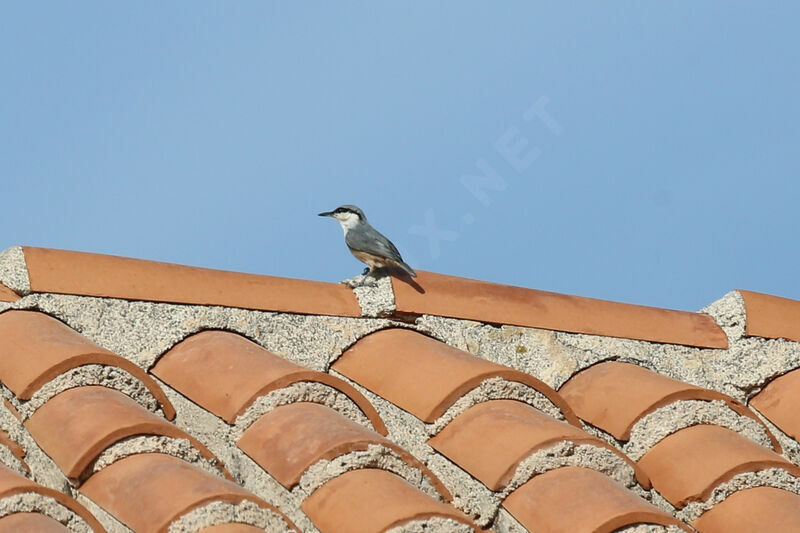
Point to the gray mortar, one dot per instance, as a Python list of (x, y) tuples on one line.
[(33, 502), (109, 522), (216, 435), (303, 391), (111, 377), (791, 449), (11, 462), (375, 300), (375, 456), (668, 419), (43, 470), (14, 271), (506, 523), (434, 524), (567, 453), (214, 513), (770, 477), (497, 389), (180, 448), (649, 528)]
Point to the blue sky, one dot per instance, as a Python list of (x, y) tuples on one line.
[(637, 152)]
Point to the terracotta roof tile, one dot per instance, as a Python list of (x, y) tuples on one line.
[(148, 491), (75, 426), (384, 501), (7, 295), (14, 447), (689, 464), (225, 373), (30, 523), (291, 438), (757, 509), (89, 274), (490, 439), (490, 302), (425, 376), (613, 396), (771, 316), (572, 499), (37, 348), (779, 402), (12, 483)]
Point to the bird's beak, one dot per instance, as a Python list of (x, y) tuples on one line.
[(326, 214)]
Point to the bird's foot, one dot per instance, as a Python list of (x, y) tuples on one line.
[(362, 280)]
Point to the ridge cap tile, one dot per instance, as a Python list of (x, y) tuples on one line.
[(90, 274), (548, 502), (688, 464), (289, 439), (225, 372), (484, 301), (772, 317), (426, 376), (491, 438), (77, 425), (148, 491), (385, 501)]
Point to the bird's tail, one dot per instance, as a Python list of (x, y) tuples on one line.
[(405, 268)]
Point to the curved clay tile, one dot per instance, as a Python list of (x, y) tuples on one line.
[(135, 279), (291, 438), (148, 491), (771, 316), (30, 522), (233, 527), (757, 509), (613, 396), (425, 376), (501, 304), (369, 500), (38, 348), (225, 372), (14, 447), (581, 499), (77, 425), (490, 439), (7, 295), (778, 402), (12, 483), (687, 465)]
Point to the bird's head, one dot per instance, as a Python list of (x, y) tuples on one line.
[(348, 216)]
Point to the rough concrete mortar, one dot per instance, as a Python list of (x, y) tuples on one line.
[(435, 524), (668, 419), (375, 300), (180, 448), (214, 513), (14, 271), (32, 502), (649, 528)]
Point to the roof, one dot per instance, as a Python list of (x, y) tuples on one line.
[(144, 396)]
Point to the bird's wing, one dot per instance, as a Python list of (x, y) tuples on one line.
[(373, 243)]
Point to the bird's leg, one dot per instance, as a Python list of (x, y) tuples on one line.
[(366, 271)]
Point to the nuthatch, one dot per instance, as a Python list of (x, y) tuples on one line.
[(365, 242)]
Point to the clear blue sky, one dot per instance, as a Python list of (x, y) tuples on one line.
[(661, 165)]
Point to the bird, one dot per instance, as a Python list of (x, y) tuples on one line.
[(366, 243)]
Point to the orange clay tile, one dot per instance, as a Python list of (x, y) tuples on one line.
[(489, 440), (89, 274), (14, 447), (384, 500), (757, 509), (771, 316), (689, 464), (613, 396), (224, 372), (425, 376), (7, 295), (12, 483), (75, 426), (148, 491), (233, 527), (502, 304), (572, 499), (778, 401), (30, 523), (291, 438), (38, 347)]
